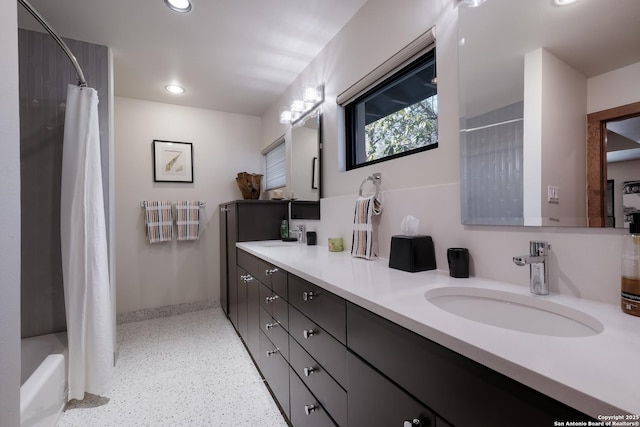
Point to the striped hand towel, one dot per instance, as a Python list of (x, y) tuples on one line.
[(362, 243), (158, 218), (188, 220)]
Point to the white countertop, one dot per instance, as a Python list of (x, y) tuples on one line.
[(598, 375)]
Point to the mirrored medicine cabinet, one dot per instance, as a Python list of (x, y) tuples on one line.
[(527, 73), (305, 178)]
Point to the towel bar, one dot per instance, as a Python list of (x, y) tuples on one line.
[(376, 178), (201, 203)]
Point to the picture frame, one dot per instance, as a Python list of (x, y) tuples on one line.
[(172, 161)]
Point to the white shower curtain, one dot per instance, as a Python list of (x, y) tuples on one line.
[(85, 265)]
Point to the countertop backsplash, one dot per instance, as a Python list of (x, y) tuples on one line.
[(583, 262)]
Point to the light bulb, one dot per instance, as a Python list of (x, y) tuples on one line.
[(285, 116), (297, 105), (310, 95)]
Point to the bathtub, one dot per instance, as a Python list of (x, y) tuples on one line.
[(43, 380)]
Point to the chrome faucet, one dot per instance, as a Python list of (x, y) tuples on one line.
[(301, 233), (538, 266)]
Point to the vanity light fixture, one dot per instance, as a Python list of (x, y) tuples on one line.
[(299, 108), (176, 89), (285, 115), (564, 2), (181, 6)]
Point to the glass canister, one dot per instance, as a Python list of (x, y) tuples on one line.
[(630, 280)]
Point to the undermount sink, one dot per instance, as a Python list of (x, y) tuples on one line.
[(517, 312)]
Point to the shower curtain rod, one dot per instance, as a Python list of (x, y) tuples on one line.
[(56, 37)]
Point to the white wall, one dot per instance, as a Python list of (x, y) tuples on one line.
[(10, 224), (375, 33), (564, 152), (305, 148), (613, 89), (532, 138), (150, 276), (584, 262)]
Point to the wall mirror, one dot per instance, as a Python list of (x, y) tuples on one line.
[(305, 167), (531, 72)]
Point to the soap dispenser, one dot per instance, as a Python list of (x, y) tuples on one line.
[(284, 229), (631, 267)]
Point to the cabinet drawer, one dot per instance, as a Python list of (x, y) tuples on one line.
[(275, 332), (279, 283), (275, 305), (274, 277), (323, 307), (324, 348), (249, 263), (326, 390), (266, 292), (306, 411), (276, 372), (376, 401), (462, 391)]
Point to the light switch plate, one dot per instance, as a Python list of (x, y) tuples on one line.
[(552, 194)]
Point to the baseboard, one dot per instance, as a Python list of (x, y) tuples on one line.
[(166, 311)]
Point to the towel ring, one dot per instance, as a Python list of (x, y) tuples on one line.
[(376, 178)]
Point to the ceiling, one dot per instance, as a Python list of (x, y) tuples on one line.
[(592, 36), (237, 56)]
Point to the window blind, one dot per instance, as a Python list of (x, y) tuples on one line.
[(276, 166), (408, 54)]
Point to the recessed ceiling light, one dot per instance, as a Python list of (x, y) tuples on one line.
[(564, 2), (174, 88), (182, 6)]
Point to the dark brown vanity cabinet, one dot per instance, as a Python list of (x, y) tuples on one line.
[(317, 352), (376, 401), (306, 410), (330, 362), (457, 389), (243, 221), (275, 370)]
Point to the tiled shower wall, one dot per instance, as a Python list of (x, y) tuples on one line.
[(491, 153), (45, 72)]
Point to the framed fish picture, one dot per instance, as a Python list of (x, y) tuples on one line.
[(172, 161)]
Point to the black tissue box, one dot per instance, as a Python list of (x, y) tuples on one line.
[(412, 253)]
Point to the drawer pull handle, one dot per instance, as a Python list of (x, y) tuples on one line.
[(246, 278), (270, 326), (270, 271), (272, 352), (413, 423), (309, 409), (309, 371), (308, 296), (308, 333), (271, 299)]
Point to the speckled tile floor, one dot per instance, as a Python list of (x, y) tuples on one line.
[(184, 370)]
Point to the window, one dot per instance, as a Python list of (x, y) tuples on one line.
[(393, 111), (275, 160)]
